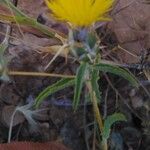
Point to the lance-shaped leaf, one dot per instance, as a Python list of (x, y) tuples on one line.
[(110, 120), (3, 62), (95, 76), (80, 78), (61, 84), (117, 71)]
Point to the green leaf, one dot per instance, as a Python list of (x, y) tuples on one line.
[(95, 85), (95, 76), (3, 47), (80, 78), (24, 19), (61, 84), (3, 62), (109, 121), (13, 8), (91, 39), (117, 71)]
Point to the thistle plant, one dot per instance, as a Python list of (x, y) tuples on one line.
[(84, 45)]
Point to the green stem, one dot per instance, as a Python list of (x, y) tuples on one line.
[(104, 145), (24, 19), (97, 113)]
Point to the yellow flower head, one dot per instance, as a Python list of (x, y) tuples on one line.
[(80, 13)]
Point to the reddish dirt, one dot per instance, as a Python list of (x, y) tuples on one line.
[(33, 146)]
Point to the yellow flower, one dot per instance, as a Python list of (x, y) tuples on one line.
[(80, 13)]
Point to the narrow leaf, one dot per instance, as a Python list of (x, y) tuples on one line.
[(110, 120), (95, 76), (80, 78), (117, 71), (3, 62), (95, 85), (61, 84), (24, 19)]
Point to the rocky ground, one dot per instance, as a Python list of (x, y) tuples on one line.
[(126, 40)]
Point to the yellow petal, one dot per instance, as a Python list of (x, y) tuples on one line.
[(80, 13)]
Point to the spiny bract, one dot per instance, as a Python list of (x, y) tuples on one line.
[(80, 13)]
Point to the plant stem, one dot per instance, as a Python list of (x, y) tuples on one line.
[(48, 31), (19, 17), (97, 113), (104, 145), (98, 117), (39, 74), (95, 106)]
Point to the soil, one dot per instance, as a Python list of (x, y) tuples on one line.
[(126, 40)]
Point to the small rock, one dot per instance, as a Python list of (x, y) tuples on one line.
[(137, 101)]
